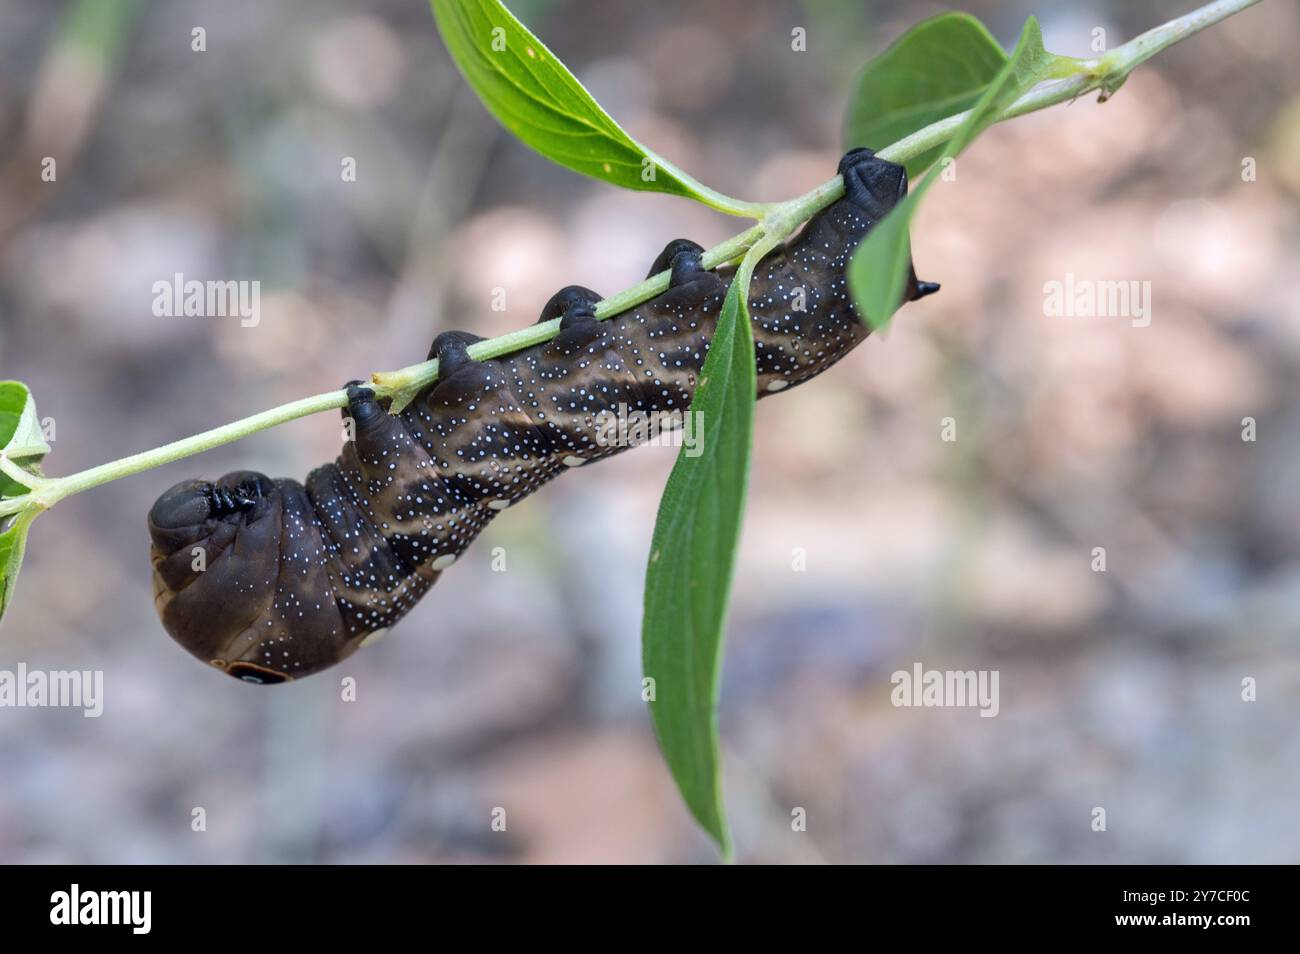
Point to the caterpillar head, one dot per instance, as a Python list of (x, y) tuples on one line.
[(218, 579)]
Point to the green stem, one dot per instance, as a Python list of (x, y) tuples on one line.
[(710, 197), (16, 473), (51, 490), (1120, 61), (776, 219)]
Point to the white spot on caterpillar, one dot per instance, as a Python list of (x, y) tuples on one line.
[(778, 384), (498, 504), (572, 461), (374, 637), (444, 561)]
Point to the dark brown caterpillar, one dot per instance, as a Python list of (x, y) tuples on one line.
[(270, 580)]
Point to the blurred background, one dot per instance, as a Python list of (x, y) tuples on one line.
[(521, 689)]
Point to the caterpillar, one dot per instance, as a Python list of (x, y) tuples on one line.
[(270, 580)]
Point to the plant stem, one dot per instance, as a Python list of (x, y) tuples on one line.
[(51, 490), (710, 197), (1138, 50), (776, 219), (16, 473)]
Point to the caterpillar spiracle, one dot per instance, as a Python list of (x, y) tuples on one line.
[(294, 577)]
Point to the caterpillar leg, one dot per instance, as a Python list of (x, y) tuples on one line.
[(362, 408), (690, 262), (378, 437), (478, 430), (450, 350), (380, 472), (689, 283), (459, 376), (485, 447), (875, 186), (575, 306)]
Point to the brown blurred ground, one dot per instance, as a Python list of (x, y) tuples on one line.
[(521, 689)]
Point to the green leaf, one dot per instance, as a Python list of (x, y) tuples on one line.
[(13, 542), (21, 439), (530, 92), (878, 270), (23, 445), (688, 578), (938, 68), (20, 428)]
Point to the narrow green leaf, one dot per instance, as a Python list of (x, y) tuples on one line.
[(530, 92), (878, 270), (938, 68), (692, 554), (13, 542), (23, 446)]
